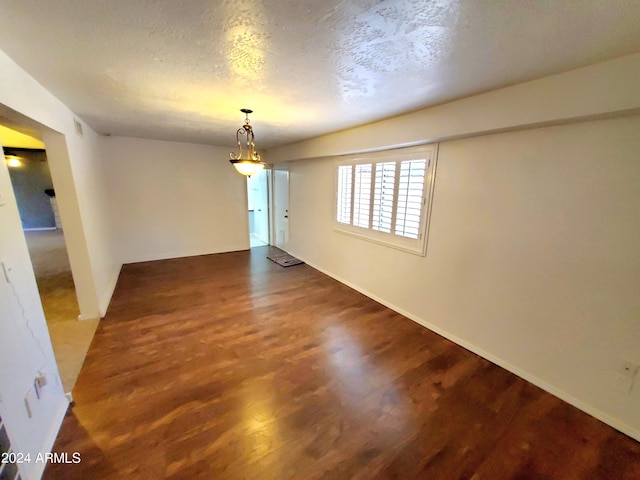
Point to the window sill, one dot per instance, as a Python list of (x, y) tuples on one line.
[(397, 243)]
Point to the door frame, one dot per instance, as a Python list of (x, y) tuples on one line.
[(275, 222)]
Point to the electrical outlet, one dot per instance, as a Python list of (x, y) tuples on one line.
[(624, 377), (39, 383), (41, 379)]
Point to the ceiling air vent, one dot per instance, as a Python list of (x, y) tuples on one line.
[(78, 126)]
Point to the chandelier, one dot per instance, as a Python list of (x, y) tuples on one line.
[(246, 162)]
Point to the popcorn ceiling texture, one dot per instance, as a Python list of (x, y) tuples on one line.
[(182, 70), (380, 42)]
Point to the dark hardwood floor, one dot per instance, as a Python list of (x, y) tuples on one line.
[(231, 367)]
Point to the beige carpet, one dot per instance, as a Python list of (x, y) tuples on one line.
[(70, 337)]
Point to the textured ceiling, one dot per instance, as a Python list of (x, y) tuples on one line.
[(181, 70)]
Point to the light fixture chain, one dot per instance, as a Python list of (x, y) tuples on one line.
[(251, 164)]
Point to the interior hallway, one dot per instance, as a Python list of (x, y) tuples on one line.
[(229, 366), (255, 241), (70, 337)]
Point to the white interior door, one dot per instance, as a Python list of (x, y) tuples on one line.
[(281, 207)]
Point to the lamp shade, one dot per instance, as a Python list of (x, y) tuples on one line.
[(248, 167)]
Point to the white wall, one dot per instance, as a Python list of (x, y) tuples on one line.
[(76, 169), (25, 347), (533, 259), (171, 199), (93, 200)]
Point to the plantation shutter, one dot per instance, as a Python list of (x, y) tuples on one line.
[(410, 200), (343, 210), (362, 195), (383, 197)]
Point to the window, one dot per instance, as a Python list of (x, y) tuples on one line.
[(385, 197)]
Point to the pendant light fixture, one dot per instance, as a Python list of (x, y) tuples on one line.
[(249, 163)]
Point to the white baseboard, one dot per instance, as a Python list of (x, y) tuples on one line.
[(585, 407), (169, 255), (42, 229), (106, 298)]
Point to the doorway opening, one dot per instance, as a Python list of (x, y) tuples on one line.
[(258, 187), (281, 207), (35, 196)]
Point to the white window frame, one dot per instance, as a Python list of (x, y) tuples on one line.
[(416, 246)]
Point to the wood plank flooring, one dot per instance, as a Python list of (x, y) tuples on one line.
[(231, 367)]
